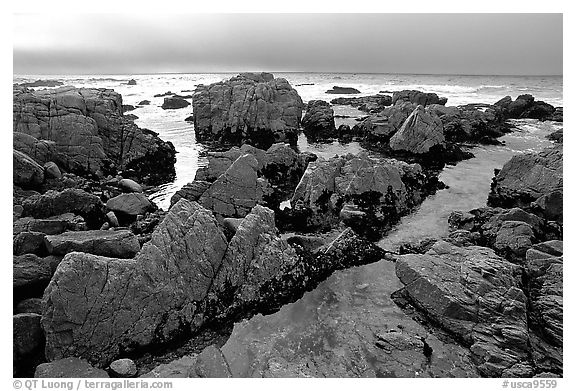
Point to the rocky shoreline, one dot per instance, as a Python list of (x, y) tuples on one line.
[(102, 276)]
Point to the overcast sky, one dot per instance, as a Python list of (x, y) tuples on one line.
[(490, 44)]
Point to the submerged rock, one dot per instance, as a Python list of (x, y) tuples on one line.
[(253, 108), (174, 103)]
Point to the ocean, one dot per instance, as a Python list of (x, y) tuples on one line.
[(330, 330)]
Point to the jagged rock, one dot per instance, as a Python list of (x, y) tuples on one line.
[(131, 204), (123, 368), (117, 244), (211, 363), (42, 151), (27, 341), (369, 104), (219, 162), (475, 295), (525, 107), (418, 97), (527, 177), (237, 190), (471, 123), (31, 305), (54, 203), (420, 132), (318, 122), (190, 191), (378, 188), (70, 367), (382, 126), (250, 108), (25, 171), (50, 226), (173, 103), (342, 90), (89, 132), (129, 186)]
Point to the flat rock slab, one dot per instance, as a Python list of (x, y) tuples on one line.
[(118, 244), (212, 364), (69, 367), (181, 368)]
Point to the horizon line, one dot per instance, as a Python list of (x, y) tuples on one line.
[(313, 72)]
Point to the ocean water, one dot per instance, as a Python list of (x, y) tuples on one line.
[(330, 330)]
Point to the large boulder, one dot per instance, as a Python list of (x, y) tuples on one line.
[(420, 132), (90, 133), (117, 244), (172, 103), (25, 171), (525, 106), (383, 125), (382, 189), (318, 122), (130, 204), (527, 177), (249, 108), (475, 295)]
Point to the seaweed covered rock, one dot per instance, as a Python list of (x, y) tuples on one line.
[(253, 108)]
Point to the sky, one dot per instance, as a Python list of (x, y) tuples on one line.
[(469, 44)]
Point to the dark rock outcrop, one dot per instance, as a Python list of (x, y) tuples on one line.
[(250, 108), (382, 126), (369, 104), (525, 106), (342, 90), (130, 204), (27, 342), (26, 172), (42, 83), (418, 97), (318, 122), (90, 134), (173, 103)]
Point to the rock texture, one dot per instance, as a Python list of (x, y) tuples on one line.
[(69, 367), (188, 274), (378, 190), (475, 295), (89, 132), (420, 132), (369, 104), (118, 244), (382, 126), (525, 106), (527, 177), (342, 90), (174, 103), (26, 172), (250, 108)]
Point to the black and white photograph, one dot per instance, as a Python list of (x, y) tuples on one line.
[(286, 195)]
